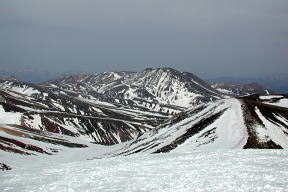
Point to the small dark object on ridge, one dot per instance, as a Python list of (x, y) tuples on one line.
[(4, 167)]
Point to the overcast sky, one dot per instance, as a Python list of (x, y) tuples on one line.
[(206, 37)]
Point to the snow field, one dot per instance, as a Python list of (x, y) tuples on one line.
[(220, 170)]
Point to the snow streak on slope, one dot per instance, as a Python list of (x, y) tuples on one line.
[(22, 141), (266, 122), (272, 131), (224, 170)]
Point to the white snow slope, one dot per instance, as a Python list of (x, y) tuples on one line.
[(216, 125), (221, 170), (227, 131), (209, 158), (277, 100)]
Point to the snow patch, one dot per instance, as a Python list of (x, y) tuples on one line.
[(270, 97), (9, 117)]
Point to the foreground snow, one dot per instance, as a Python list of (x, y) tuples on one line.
[(222, 170)]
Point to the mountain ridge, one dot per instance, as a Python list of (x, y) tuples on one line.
[(242, 123), (106, 108), (151, 84)]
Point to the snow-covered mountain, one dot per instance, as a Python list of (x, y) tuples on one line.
[(54, 129), (50, 135), (114, 107), (248, 122), (106, 108), (162, 89), (32, 106)]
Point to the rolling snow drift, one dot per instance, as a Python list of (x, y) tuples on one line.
[(220, 170)]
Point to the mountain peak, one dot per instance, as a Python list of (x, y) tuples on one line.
[(151, 87)]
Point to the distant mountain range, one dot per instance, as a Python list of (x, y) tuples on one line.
[(241, 90), (277, 83), (156, 110), (29, 75), (152, 88)]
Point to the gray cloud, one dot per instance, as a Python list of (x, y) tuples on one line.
[(212, 38)]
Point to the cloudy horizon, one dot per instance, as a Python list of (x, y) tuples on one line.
[(208, 38)]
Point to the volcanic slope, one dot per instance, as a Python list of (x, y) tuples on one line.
[(224, 124), (38, 108), (163, 89)]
